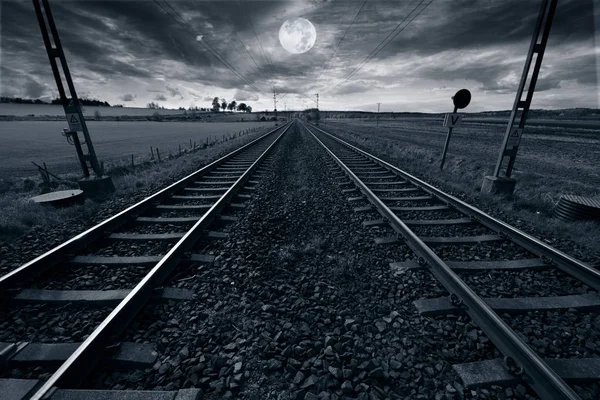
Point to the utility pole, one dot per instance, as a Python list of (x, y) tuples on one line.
[(501, 182), (317, 94), (378, 104), (275, 106), (100, 183)]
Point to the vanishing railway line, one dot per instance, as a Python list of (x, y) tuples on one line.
[(432, 223), (162, 229), (121, 264)]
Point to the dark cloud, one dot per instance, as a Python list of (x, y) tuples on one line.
[(160, 97), (108, 42), (174, 92), (128, 97)]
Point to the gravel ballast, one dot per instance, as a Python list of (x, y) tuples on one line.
[(301, 304)]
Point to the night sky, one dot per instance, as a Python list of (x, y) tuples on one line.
[(132, 53)]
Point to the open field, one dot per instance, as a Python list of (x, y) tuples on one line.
[(41, 141), (477, 119), (552, 161), (88, 111)]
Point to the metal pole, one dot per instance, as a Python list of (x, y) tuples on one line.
[(72, 107), (447, 143), (510, 146), (377, 117)]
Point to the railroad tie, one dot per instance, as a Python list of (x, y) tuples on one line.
[(443, 305), (494, 372)]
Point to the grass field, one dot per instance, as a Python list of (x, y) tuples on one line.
[(88, 111), (552, 161), (42, 141)]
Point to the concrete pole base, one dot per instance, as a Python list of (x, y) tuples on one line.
[(498, 185), (97, 187)]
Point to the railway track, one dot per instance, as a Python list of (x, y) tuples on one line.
[(461, 246), (117, 267)]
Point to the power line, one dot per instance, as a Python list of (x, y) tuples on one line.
[(264, 53), (383, 43), (244, 46), (341, 40), (190, 30)]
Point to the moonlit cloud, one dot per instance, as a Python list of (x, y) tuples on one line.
[(133, 50)]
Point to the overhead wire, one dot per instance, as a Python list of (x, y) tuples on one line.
[(383, 43), (264, 53), (326, 64), (190, 30), (244, 46)]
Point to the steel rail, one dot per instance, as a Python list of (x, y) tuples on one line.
[(58, 253), (83, 360), (540, 377), (565, 262)]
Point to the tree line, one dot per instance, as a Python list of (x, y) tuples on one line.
[(83, 102), (233, 106)]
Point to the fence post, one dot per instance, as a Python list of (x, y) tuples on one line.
[(179, 149), (132, 160), (158, 154), (151, 153)]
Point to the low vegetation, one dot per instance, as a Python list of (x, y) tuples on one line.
[(18, 214)]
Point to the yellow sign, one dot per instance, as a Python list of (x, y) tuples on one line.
[(74, 122), (515, 137)]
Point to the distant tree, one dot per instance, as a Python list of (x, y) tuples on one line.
[(232, 105), (153, 106), (182, 108), (215, 104), (242, 107), (224, 105)]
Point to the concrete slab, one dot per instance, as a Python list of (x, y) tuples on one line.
[(407, 198), (498, 185), (460, 239), (456, 221), (93, 297), (387, 240), (375, 222), (174, 221), (99, 260), (217, 235), (17, 389), (76, 394), (422, 208), (62, 198), (202, 258), (146, 236), (493, 372), (128, 355), (170, 207), (442, 305), (97, 186)]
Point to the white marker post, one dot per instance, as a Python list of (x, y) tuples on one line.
[(461, 99)]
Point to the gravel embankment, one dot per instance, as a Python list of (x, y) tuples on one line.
[(301, 304), (536, 227)]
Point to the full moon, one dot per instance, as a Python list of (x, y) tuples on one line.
[(297, 35)]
